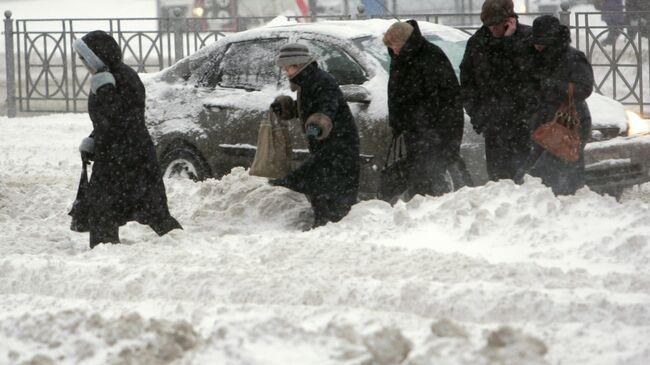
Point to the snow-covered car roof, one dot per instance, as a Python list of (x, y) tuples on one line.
[(350, 29), (343, 29)]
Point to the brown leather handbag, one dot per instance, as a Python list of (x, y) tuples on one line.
[(561, 136)]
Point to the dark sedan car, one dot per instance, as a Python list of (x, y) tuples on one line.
[(204, 111)]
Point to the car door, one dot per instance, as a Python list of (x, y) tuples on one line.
[(233, 111)]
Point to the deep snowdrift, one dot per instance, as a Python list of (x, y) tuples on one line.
[(498, 274)]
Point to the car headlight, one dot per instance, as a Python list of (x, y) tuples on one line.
[(198, 11), (636, 125)]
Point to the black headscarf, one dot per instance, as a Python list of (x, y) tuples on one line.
[(555, 37), (105, 47)]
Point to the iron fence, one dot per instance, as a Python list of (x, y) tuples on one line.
[(617, 54), (44, 75)]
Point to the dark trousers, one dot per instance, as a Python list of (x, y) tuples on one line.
[(563, 177), (104, 234), (505, 157), (330, 208), (427, 165)]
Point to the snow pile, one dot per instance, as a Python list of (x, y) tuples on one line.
[(503, 273)]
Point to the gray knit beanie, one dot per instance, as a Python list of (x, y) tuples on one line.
[(294, 54)]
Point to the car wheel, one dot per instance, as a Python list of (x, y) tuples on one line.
[(184, 163)]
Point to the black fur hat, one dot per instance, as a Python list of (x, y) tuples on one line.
[(548, 31)]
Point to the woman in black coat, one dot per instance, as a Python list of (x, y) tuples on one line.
[(556, 65), (126, 182), (424, 105), (329, 177)]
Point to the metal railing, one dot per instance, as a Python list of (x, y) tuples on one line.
[(617, 55), (44, 75)]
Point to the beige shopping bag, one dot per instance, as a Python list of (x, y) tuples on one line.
[(274, 154)]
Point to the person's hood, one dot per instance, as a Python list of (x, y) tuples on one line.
[(548, 31), (99, 50)]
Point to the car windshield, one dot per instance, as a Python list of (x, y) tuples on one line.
[(376, 48)]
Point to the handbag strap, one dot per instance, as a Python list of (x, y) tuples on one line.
[(84, 170), (395, 149), (567, 112), (271, 118)]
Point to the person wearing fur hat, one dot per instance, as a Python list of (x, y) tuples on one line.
[(497, 84), (613, 16), (126, 182), (329, 177), (556, 65), (424, 106)]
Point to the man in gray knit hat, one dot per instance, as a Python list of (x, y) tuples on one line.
[(329, 177)]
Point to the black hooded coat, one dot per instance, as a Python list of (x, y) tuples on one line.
[(126, 182), (424, 97), (556, 66), (330, 175)]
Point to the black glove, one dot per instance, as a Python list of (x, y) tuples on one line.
[(279, 182), (284, 107), (276, 107)]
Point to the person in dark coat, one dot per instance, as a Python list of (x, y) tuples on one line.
[(614, 17), (638, 22), (556, 65), (424, 105), (496, 82), (329, 177), (126, 182)]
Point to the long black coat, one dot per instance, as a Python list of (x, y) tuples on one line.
[(555, 68), (332, 168), (497, 84), (424, 95), (126, 182)]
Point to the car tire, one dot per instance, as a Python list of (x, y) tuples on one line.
[(184, 162)]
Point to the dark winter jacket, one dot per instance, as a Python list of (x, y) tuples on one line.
[(496, 82), (637, 5), (616, 6), (424, 94), (126, 182), (555, 67), (332, 168)]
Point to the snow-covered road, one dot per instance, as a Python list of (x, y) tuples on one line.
[(500, 274)]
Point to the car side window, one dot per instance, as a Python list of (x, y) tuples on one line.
[(250, 64), (204, 69), (337, 62)]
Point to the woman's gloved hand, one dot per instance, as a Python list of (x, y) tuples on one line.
[(101, 79), (87, 149), (279, 182), (318, 126), (284, 107), (313, 131)]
